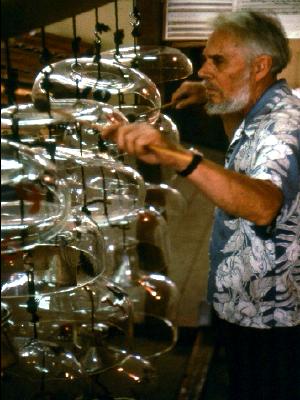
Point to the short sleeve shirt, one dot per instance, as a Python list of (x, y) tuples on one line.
[(254, 278)]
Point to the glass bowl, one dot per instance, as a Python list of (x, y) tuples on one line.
[(74, 257), (34, 201), (108, 189), (105, 81), (160, 63), (61, 125)]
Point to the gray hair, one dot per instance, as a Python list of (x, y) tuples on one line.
[(261, 33)]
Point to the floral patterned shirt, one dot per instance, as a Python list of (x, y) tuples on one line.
[(254, 278)]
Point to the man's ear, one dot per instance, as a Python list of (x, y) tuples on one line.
[(262, 66)]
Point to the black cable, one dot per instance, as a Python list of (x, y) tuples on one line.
[(76, 40), (135, 14), (46, 56), (119, 33), (11, 82)]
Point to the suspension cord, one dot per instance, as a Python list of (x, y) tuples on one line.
[(46, 56), (136, 32), (119, 33), (12, 77)]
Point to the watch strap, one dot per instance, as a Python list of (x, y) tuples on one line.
[(196, 160)]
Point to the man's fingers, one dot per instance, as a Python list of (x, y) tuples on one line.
[(189, 93), (178, 95), (110, 131), (185, 102), (136, 139)]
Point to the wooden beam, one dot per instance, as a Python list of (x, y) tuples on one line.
[(22, 16)]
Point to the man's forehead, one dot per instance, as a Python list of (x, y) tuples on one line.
[(222, 42)]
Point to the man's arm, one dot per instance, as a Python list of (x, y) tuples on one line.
[(189, 93), (256, 200)]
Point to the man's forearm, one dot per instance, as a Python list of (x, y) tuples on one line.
[(239, 195)]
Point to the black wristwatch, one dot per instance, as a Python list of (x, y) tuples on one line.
[(196, 160)]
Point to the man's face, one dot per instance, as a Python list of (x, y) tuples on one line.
[(226, 74)]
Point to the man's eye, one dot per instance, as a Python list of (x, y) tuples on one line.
[(218, 60), (202, 59)]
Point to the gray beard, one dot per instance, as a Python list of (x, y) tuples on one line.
[(238, 103), (227, 107)]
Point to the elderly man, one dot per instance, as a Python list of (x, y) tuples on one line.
[(255, 252)]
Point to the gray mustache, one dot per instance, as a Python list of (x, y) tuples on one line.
[(208, 85)]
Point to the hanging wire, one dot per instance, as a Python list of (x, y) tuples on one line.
[(75, 49), (21, 207), (15, 127), (118, 39), (11, 82), (46, 85), (99, 29), (45, 60), (76, 40), (105, 200), (100, 94), (136, 32), (10, 88), (46, 56), (32, 302), (91, 297), (136, 21), (119, 33), (83, 179)]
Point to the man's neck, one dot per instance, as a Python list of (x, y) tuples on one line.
[(231, 122)]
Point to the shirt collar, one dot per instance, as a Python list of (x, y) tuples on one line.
[(259, 107), (262, 102)]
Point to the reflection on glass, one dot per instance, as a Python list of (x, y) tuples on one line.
[(149, 232), (104, 81), (134, 376), (60, 126), (44, 371), (154, 297), (94, 322), (159, 63), (108, 189), (9, 354), (34, 202), (162, 122), (165, 199), (138, 113), (167, 128), (72, 258)]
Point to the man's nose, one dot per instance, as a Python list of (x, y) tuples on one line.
[(204, 71)]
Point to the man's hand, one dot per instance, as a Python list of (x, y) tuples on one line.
[(189, 93), (237, 194), (148, 144)]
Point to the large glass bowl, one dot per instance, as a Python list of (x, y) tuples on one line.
[(61, 125), (159, 63), (108, 189), (34, 201), (154, 298), (94, 322), (167, 127), (73, 258), (106, 81)]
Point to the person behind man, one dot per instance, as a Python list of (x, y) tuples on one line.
[(254, 279)]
